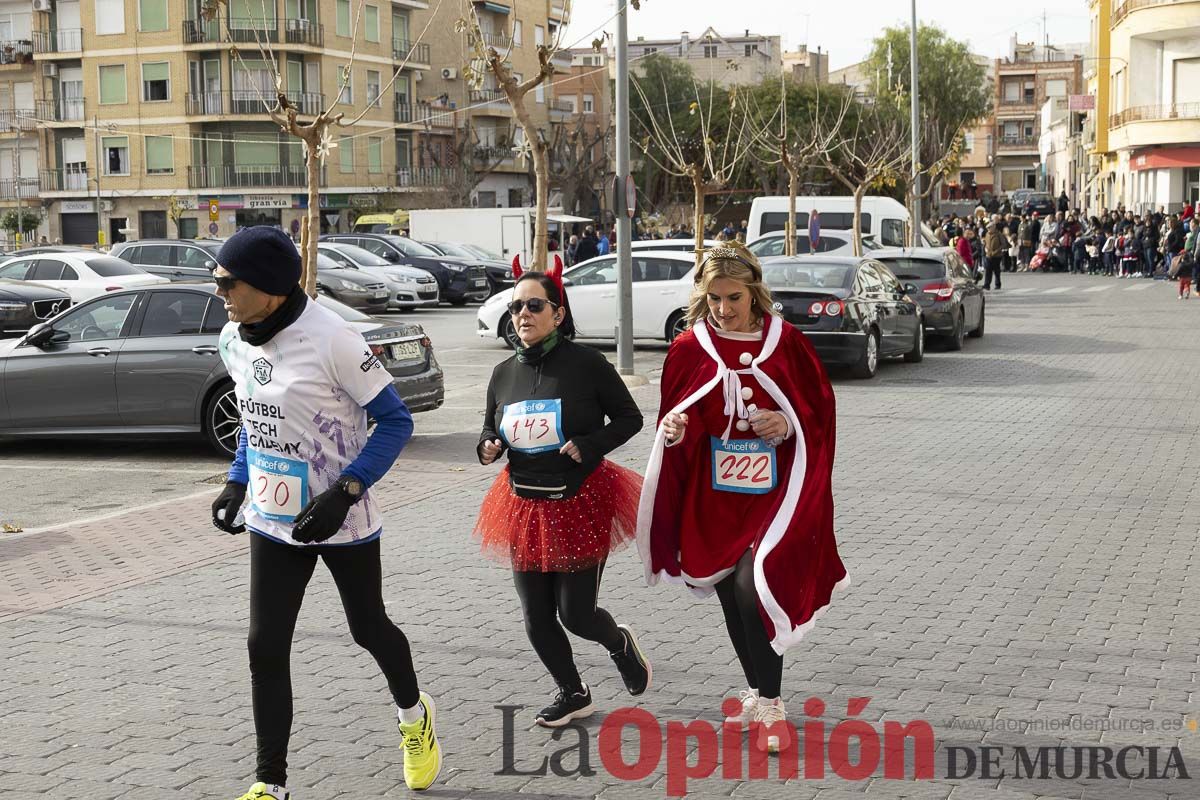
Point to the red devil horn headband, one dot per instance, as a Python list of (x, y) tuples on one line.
[(554, 273)]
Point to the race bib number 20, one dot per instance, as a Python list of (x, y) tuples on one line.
[(743, 465), (533, 426), (278, 486)]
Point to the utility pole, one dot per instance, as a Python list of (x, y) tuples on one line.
[(915, 211), (624, 221), (17, 174), (99, 227)]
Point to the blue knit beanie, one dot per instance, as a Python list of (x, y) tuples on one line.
[(263, 257)]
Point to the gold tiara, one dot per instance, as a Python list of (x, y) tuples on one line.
[(729, 254)]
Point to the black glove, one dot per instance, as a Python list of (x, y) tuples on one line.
[(323, 516), (230, 501)]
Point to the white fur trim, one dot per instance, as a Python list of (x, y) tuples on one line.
[(785, 639)]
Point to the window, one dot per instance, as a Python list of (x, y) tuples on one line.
[(18, 270), (175, 314), (116, 154), (371, 23), (374, 154), (539, 93), (343, 17), (216, 317), (1012, 90), (160, 155), (710, 51), (868, 282), (539, 36), (968, 138), (570, 100), (892, 231), (646, 51), (1054, 88), (653, 269), (589, 102), (110, 17), (107, 267), (152, 15), (158, 255), (517, 33), (102, 319), (602, 271), (752, 50), (112, 84), (48, 269), (346, 77), (373, 88), (346, 154), (156, 82)]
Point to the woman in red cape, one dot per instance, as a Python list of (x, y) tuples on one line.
[(737, 497)]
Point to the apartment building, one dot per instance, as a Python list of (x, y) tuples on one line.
[(583, 108), (805, 66), (1024, 80), (18, 138), (726, 59), (1146, 124)]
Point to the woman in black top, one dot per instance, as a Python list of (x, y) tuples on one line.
[(559, 508)]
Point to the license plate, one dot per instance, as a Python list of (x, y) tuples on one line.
[(380, 293), (480, 283), (405, 351)]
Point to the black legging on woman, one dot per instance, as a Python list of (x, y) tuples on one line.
[(279, 574), (739, 600), (547, 597)]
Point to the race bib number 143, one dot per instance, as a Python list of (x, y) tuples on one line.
[(743, 465), (533, 426)]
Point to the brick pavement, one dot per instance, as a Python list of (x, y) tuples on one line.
[(1017, 519)]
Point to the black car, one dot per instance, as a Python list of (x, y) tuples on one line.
[(500, 275), (951, 299), (853, 310), (1040, 202), (458, 281), (174, 259), (24, 304)]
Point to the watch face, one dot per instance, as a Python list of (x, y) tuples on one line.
[(353, 488)]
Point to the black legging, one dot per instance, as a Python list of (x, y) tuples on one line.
[(762, 665), (279, 574), (547, 597)]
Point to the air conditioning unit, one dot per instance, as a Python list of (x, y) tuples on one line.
[(449, 73), (420, 75), (50, 70), (41, 5)]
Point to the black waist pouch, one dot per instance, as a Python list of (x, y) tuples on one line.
[(544, 486)]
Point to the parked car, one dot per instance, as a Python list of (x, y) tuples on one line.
[(408, 287), (951, 299), (144, 363), (174, 259), (53, 248), (677, 245), (833, 243), (82, 275), (23, 305), (352, 286), (458, 281), (661, 288), (499, 274), (853, 310), (1041, 202)]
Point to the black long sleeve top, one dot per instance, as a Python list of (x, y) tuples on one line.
[(589, 390)]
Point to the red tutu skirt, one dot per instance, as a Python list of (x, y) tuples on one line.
[(566, 535)]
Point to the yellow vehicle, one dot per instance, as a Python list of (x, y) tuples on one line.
[(396, 222)]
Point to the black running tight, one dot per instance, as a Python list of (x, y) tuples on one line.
[(762, 665), (279, 574), (547, 597)]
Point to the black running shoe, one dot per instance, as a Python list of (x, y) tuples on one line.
[(568, 705), (632, 664)]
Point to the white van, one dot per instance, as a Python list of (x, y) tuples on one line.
[(883, 218)]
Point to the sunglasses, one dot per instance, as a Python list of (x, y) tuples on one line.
[(225, 282), (534, 304)]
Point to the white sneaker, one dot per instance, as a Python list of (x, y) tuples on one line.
[(766, 713), (749, 699)]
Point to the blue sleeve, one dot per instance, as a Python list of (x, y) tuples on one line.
[(237, 471), (393, 429)]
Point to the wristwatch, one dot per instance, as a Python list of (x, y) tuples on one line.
[(353, 488)]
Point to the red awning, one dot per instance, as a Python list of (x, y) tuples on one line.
[(1165, 158)]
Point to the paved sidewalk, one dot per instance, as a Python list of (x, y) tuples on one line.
[(1018, 520)]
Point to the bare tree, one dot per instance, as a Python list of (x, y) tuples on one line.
[(945, 142), (471, 160), (578, 159)]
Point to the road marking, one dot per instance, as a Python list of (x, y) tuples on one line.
[(1094, 288), (1056, 289), (108, 468), (1140, 287), (110, 515), (1023, 289)]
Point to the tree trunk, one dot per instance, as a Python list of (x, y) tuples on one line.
[(541, 235), (310, 231), (789, 244), (698, 194), (856, 239)]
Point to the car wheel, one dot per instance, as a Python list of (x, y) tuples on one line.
[(917, 354), (509, 333), (978, 332), (222, 421), (868, 362), (676, 325), (462, 301), (955, 340)]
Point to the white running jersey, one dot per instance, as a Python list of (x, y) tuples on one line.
[(301, 396)]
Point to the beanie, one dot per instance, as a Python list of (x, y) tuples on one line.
[(263, 257)]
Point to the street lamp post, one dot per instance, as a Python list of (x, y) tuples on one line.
[(915, 211)]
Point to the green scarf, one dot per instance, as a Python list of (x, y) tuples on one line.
[(536, 352)]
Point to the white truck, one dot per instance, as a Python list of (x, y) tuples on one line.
[(505, 232)]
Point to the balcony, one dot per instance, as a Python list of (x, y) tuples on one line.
[(71, 179), (63, 40), (561, 110), (252, 31), (12, 120), (19, 188), (247, 102), (486, 96), (65, 109), (1123, 10), (1011, 103), (1004, 143), (415, 53), (304, 31), (493, 153), (417, 177), (248, 176), (16, 52), (1152, 113), (502, 41)]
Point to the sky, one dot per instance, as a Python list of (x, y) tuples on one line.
[(842, 28)]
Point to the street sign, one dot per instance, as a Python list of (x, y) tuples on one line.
[(214, 210), (630, 196), (213, 228)]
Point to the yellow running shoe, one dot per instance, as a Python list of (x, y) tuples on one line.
[(263, 791), (422, 752)]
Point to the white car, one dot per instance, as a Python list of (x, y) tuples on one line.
[(662, 285), (687, 245), (833, 243), (408, 287), (82, 274)]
